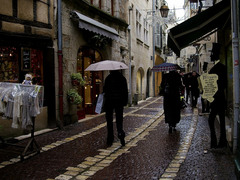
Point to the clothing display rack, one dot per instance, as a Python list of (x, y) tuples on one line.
[(21, 103)]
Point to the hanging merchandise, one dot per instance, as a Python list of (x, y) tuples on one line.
[(20, 103)]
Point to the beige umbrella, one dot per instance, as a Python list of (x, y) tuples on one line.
[(106, 65)]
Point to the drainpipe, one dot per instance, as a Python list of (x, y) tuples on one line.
[(235, 53), (130, 57), (153, 42), (60, 61)]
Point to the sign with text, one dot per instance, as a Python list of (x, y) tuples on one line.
[(26, 59), (209, 85)]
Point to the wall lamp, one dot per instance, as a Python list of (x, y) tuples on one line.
[(164, 9)]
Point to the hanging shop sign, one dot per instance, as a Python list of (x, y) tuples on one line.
[(209, 84)]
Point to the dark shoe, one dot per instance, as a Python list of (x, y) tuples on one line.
[(170, 130), (121, 136), (122, 141), (109, 144), (174, 129), (109, 141), (222, 144), (213, 145)]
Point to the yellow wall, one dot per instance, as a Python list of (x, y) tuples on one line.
[(158, 75)]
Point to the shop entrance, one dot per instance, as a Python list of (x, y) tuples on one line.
[(94, 81)]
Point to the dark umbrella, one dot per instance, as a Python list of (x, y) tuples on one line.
[(165, 67)]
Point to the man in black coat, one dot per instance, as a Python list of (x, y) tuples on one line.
[(116, 97), (218, 105), (194, 88)]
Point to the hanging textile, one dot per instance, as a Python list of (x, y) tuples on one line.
[(20, 103)]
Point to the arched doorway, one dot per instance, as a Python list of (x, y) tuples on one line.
[(139, 87), (148, 83), (94, 80)]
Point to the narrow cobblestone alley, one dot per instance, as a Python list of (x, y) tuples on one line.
[(79, 151)]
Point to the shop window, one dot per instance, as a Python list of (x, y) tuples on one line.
[(9, 64), (37, 66), (16, 62), (32, 63), (138, 24)]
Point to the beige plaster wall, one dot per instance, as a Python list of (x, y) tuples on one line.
[(141, 51), (25, 10), (12, 27), (42, 15), (5, 6)]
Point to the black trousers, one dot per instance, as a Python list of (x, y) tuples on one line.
[(119, 120), (217, 108), (194, 99), (187, 94)]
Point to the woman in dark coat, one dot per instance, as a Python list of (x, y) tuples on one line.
[(171, 84)]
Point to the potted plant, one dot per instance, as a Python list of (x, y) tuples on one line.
[(74, 97), (77, 79), (99, 41)]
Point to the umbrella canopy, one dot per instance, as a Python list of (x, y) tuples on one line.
[(106, 65), (165, 67)]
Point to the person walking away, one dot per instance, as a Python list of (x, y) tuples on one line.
[(116, 97), (187, 85), (171, 84), (182, 90), (194, 89), (217, 107)]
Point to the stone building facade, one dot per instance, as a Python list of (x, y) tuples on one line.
[(91, 32), (94, 31)]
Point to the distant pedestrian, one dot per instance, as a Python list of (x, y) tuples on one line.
[(116, 97), (194, 88), (187, 78), (217, 107), (182, 90), (171, 84)]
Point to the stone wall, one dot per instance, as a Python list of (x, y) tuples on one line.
[(73, 39)]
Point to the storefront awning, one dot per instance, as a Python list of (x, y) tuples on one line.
[(95, 26), (195, 28)]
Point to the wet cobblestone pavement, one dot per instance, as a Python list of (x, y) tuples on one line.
[(79, 151)]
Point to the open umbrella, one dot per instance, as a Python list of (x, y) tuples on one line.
[(165, 67), (106, 65)]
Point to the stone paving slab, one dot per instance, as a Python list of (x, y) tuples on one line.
[(80, 152), (54, 161), (204, 163)]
